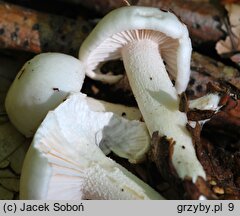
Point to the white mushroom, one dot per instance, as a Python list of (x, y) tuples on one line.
[(41, 85), (64, 161), (144, 38)]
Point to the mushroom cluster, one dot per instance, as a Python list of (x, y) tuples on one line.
[(73, 133)]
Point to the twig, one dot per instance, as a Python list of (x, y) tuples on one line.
[(127, 2)]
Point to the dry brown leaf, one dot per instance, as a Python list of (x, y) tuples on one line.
[(231, 45)]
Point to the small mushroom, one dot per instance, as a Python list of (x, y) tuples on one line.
[(151, 43), (41, 85), (65, 162)]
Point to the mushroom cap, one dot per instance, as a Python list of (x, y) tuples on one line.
[(65, 162), (126, 24), (41, 85)]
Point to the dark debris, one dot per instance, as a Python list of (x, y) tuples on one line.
[(217, 147)]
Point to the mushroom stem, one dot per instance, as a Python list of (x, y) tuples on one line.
[(159, 104)]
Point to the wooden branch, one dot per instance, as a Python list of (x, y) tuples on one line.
[(28, 30)]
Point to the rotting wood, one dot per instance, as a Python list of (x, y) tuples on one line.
[(29, 30)]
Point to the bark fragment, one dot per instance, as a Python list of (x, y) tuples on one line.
[(198, 115), (161, 155)]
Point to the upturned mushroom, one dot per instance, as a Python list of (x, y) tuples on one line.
[(152, 43), (65, 162)]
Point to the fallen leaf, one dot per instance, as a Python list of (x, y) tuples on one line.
[(5, 194), (10, 140), (230, 47)]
